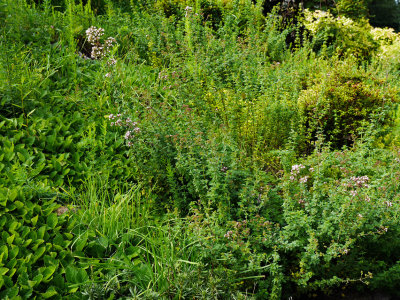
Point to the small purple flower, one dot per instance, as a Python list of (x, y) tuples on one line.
[(228, 234), (128, 135), (388, 203), (304, 179)]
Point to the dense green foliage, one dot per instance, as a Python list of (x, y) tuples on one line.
[(204, 150)]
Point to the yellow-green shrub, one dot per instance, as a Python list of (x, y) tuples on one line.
[(338, 103), (340, 35), (389, 46)]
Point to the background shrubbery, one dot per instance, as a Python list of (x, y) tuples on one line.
[(215, 151)]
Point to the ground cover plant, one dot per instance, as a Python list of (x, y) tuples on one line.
[(197, 150)]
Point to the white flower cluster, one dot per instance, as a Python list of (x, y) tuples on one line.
[(94, 34), (99, 50), (360, 181), (317, 20), (296, 171), (357, 182), (188, 10)]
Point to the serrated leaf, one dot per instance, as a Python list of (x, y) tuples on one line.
[(19, 204), (12, 194), (12, 292)]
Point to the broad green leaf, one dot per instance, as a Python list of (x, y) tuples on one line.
[(12, 292), (38, 253), (3, 220), (12, 194), (10, 239), (13, 226), (49, 293), (19, 204), (103, 241), (49, 271), (70, 274), (3, 271), (4, 251), (11, 272), (40, 232), (27, 242), (11, 263), (52, 220), (13, 253), (81, 242), (34, 220), (38, 278)]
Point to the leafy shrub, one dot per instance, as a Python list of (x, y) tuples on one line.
[(389, 49), (340, 211), (338, 103), (340, 35), (219, 114)]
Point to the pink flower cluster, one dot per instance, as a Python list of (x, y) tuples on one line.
[(360, 181), (127, 123), (357, 183), (228, 234), (296, 171)]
